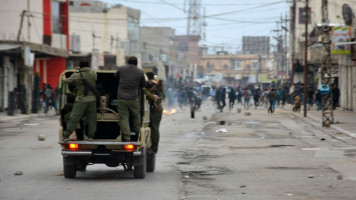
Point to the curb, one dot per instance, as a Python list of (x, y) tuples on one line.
[(336, 127), (6, 118), (346, 132)]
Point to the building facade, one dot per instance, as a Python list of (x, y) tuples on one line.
[(104, 31), (156, 47), (188, 57), (33, 42), (344, 73), (238, 70)]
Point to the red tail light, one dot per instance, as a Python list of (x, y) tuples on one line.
[(73, 146), (129, 147)]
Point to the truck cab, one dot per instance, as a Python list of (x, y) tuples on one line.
[(107, 146)]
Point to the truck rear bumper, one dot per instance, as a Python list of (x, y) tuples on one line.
[(90, 153)]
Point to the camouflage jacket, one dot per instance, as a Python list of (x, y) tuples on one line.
[(77, 81)]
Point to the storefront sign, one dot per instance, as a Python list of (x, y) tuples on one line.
[(341, 35), (263, 78), (29, 58)]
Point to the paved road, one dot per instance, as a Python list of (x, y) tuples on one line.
[(269, 157), (262, 156), (41, 164)]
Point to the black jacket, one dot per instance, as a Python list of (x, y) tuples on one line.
[(131, 78)]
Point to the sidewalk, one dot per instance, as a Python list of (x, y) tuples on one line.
[(344, 121), (18, 116)]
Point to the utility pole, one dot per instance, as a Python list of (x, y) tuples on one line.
[(306, 57), (21, 24), (283, 62), (326, 70), (28, 21), (285, 47), (293, 40)]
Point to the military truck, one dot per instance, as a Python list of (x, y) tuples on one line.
[(106, 148)]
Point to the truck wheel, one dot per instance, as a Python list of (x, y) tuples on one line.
[(151, 163), (69, 167), (140, 170)]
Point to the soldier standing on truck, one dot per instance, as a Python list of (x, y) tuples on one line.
[(85, 101), (131, 78), (153, 94)]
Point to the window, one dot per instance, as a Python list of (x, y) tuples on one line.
[(236, 64), (56, 22), (210, 67), (183, 46), (254, 65), (133, 29), (302, 15)]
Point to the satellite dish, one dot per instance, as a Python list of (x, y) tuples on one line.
[(347, 14)]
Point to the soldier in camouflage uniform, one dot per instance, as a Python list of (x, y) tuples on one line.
[(85, 104), (154, 96)]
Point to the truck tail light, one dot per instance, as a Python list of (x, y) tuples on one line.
[(129, 147), (73, 146)]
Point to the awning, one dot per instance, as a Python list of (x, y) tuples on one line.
[(6, 47), (39, 49)]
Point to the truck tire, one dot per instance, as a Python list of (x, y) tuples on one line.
[(151, 163), (140, 170), (69, 167)]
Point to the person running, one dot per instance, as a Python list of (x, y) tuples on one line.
[(272, 96), (246, 94), (232, 96)]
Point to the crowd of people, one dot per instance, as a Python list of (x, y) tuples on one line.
[(248, 96), (177, 93), (272, 96)]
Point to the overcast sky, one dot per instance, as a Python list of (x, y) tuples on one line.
[(227, 20)]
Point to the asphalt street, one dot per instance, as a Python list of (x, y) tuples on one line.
[(249, 155)]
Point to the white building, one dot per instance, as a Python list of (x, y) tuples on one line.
[(343, 67), (33, 42), (104, 29)]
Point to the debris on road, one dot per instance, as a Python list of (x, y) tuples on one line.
[(18, 173), (311, 176), (205, 118), (339, 177), (41, 137), (223, 130), (247, 114)]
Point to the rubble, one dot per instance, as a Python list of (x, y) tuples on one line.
[(247, 114), (18, 173), (41, 137), (223, 130)]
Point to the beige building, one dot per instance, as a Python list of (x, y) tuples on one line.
[(105, 30), (156, 46), (238, 70), (187, 56)]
